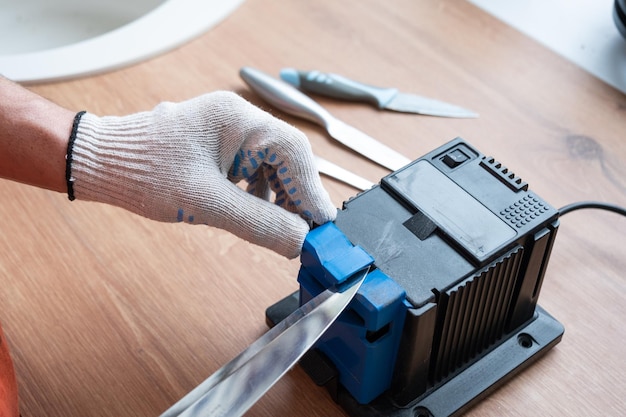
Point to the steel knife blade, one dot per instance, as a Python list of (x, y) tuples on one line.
[(335, 171), (291, 100), (337, 86), (235, 387)]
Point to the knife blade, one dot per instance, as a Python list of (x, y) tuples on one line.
[(291, 100), (337, 86), (335, 171), (236, 386)]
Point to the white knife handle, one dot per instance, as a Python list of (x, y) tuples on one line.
[(285, 97), (336, 86)]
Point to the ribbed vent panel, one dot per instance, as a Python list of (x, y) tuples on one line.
[(475, 313)]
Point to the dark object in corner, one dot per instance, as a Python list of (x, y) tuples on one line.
[(619, 16)]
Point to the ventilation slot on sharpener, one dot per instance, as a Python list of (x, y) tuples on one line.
[(502, 173), (472, 315)]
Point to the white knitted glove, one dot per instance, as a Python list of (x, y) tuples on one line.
[(181, 163)]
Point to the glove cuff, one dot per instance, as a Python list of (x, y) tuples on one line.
[(110, 162)]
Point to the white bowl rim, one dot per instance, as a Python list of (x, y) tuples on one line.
[(166, 27)]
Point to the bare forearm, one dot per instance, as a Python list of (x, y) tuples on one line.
[(33, 138)]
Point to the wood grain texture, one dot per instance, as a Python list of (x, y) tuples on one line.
[(109, 314)]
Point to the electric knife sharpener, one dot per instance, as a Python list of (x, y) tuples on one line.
[(449, 310)]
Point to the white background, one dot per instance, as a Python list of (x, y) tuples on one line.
[(582, 31)]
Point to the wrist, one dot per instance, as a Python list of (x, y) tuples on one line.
[(33, 140)]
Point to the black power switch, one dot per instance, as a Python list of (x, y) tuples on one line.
[(454, 158)]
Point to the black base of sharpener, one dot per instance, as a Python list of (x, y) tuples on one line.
[(516, 352)]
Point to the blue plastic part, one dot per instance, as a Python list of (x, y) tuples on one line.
[(363, 343), (378, 301), (331, 257), (290, 75)]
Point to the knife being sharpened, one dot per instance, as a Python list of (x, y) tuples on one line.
[(336, 86), (236, 386), (291, 100)]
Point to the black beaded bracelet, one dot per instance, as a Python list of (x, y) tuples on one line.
[(68, 157)]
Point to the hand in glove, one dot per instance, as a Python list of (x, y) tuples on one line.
[(181, 163)]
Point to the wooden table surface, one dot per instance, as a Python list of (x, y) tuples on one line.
[(109, 314)]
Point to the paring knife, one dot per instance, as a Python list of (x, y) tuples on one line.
[(336, 86), (291, 100), (335, 171), (236, 386)]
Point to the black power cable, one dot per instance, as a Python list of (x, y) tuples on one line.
[(592, 205)]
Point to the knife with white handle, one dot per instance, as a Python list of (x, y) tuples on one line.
[(290, 100), (336, 86)]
